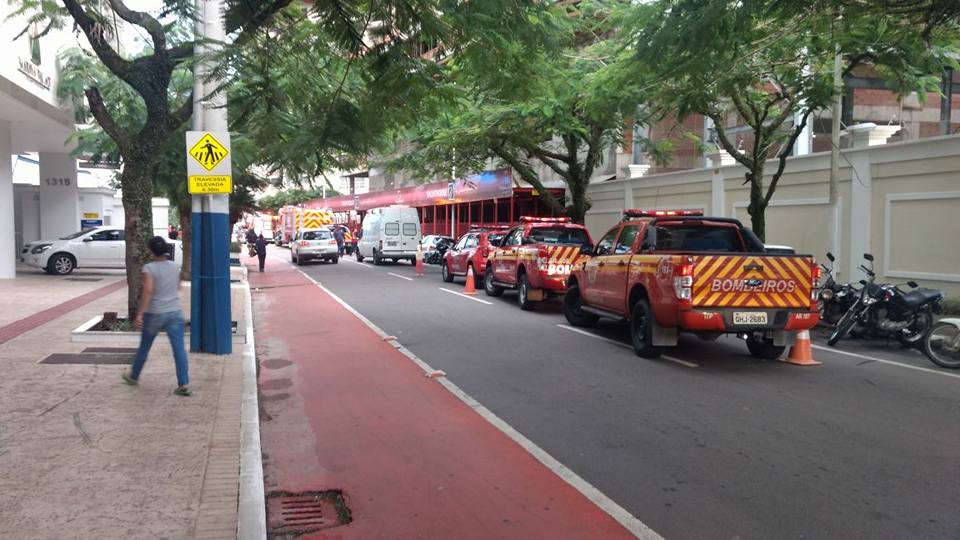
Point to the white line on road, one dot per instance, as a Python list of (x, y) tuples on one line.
[(882, 361), (399, 276), (467, 296), (625, 346), (365, 265), (597, 497)]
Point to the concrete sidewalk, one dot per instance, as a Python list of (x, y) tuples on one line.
[(83, 455), (346, 412)]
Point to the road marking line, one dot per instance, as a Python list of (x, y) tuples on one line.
[(882, 361), (625, 346), (594, 495), (467, 296), (399, 276), (365, 265)]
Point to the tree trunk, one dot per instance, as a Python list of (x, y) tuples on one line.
[(185, 209), (138, 229), (758, 205), (579, 204)]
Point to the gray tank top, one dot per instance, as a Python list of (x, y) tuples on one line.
[(166, 281)]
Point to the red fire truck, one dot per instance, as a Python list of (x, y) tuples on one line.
[(535, 258), (672, 271)]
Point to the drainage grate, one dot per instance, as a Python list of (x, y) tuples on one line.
[(75, 358), (90, 279), (301, 513), (110, 350)]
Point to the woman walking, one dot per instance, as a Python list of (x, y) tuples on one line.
[(261, 245), (160, 309)]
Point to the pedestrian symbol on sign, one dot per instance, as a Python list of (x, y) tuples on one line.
[(208, 152)]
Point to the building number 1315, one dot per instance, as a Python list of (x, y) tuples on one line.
[(58, 181)]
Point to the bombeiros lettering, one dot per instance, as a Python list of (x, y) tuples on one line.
[(765, 286)]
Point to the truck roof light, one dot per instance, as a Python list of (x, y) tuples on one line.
[(638, 213), (532, 219)]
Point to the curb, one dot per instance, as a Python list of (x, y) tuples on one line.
[(251, 510)]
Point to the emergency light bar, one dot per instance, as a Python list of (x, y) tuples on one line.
[(636, 213), (529, 219)]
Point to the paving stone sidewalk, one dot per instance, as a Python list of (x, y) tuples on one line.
[(83, 455)]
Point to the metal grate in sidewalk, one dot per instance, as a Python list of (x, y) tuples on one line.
[(306, 512), (87, 358)]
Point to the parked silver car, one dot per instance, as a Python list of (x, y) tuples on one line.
[(311, 244)]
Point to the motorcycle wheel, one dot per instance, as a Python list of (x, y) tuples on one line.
[(942, 345), (918, 330), (844, 326)]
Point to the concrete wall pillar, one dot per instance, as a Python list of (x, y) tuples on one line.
[(59, 196), (862, 136), (8, 232), (716, 160)]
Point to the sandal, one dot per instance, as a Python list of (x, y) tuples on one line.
[(183, 391), (128, 379)]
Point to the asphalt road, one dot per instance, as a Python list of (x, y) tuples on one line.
[(712, 444)]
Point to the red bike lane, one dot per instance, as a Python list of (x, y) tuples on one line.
[(343, 410)]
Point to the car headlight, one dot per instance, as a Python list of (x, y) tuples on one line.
[(41, 248)]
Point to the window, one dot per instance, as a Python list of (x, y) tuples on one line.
[(514, 238), (626, 239), (409, 229), (74, 235), (462, 243), (472, 241), (687, 238), (316, 235), (107, 236), (495, 239), (605, 247), (559, 235), (391, 229)]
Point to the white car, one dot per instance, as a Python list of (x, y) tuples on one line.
[(101, 247), (314, 244)]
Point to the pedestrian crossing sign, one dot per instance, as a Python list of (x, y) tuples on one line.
[(208, 152)]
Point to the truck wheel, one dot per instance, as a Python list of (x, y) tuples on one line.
[(489, 286), (764, 349), (572, 304), (641, 330), (294, 260), (445, 273), (523, 293), (335, 260), (61, 264), (359, 257), (377, 260)]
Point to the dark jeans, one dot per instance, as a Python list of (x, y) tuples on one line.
[(172, 323), (263, 259), (340, 248)]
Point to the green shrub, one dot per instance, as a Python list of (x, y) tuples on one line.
[(234, 247)]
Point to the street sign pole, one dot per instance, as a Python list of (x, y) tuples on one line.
[(210, 312)]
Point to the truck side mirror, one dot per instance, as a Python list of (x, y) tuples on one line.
[(586, 249), (831, 257)]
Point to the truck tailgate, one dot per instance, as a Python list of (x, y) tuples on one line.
[(760, 281)]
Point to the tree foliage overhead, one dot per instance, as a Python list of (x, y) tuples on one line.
[(768, 65), (540, 96)]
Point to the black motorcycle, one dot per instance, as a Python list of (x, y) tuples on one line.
[(436, 256), (835, 297), (883, 310)]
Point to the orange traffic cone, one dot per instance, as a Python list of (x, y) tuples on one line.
[(470, 288), (419, 264), (801, 354)]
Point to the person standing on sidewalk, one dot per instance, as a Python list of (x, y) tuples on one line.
[(251, 242), (160, 309), (261, 245)]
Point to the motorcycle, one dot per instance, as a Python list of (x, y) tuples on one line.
[(436, 256), (942, 344), (835, 298), (884, 310)]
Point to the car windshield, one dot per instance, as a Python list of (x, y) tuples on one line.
[(698, 239), (316, 235), (559, 235), (74, 235)]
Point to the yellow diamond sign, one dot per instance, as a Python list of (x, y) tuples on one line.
[(208, 152)]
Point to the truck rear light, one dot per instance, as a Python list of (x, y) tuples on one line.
[(529, 219), (638, 213), (814, 285), (683, 283)]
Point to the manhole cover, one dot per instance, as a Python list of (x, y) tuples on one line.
[(111, 350), (91, 279), (75, 358), (305, 512)]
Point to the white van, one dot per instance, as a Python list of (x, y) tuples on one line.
[(391, 233)]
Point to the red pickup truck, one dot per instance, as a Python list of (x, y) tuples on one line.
[(535, 258), (672, 271)]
